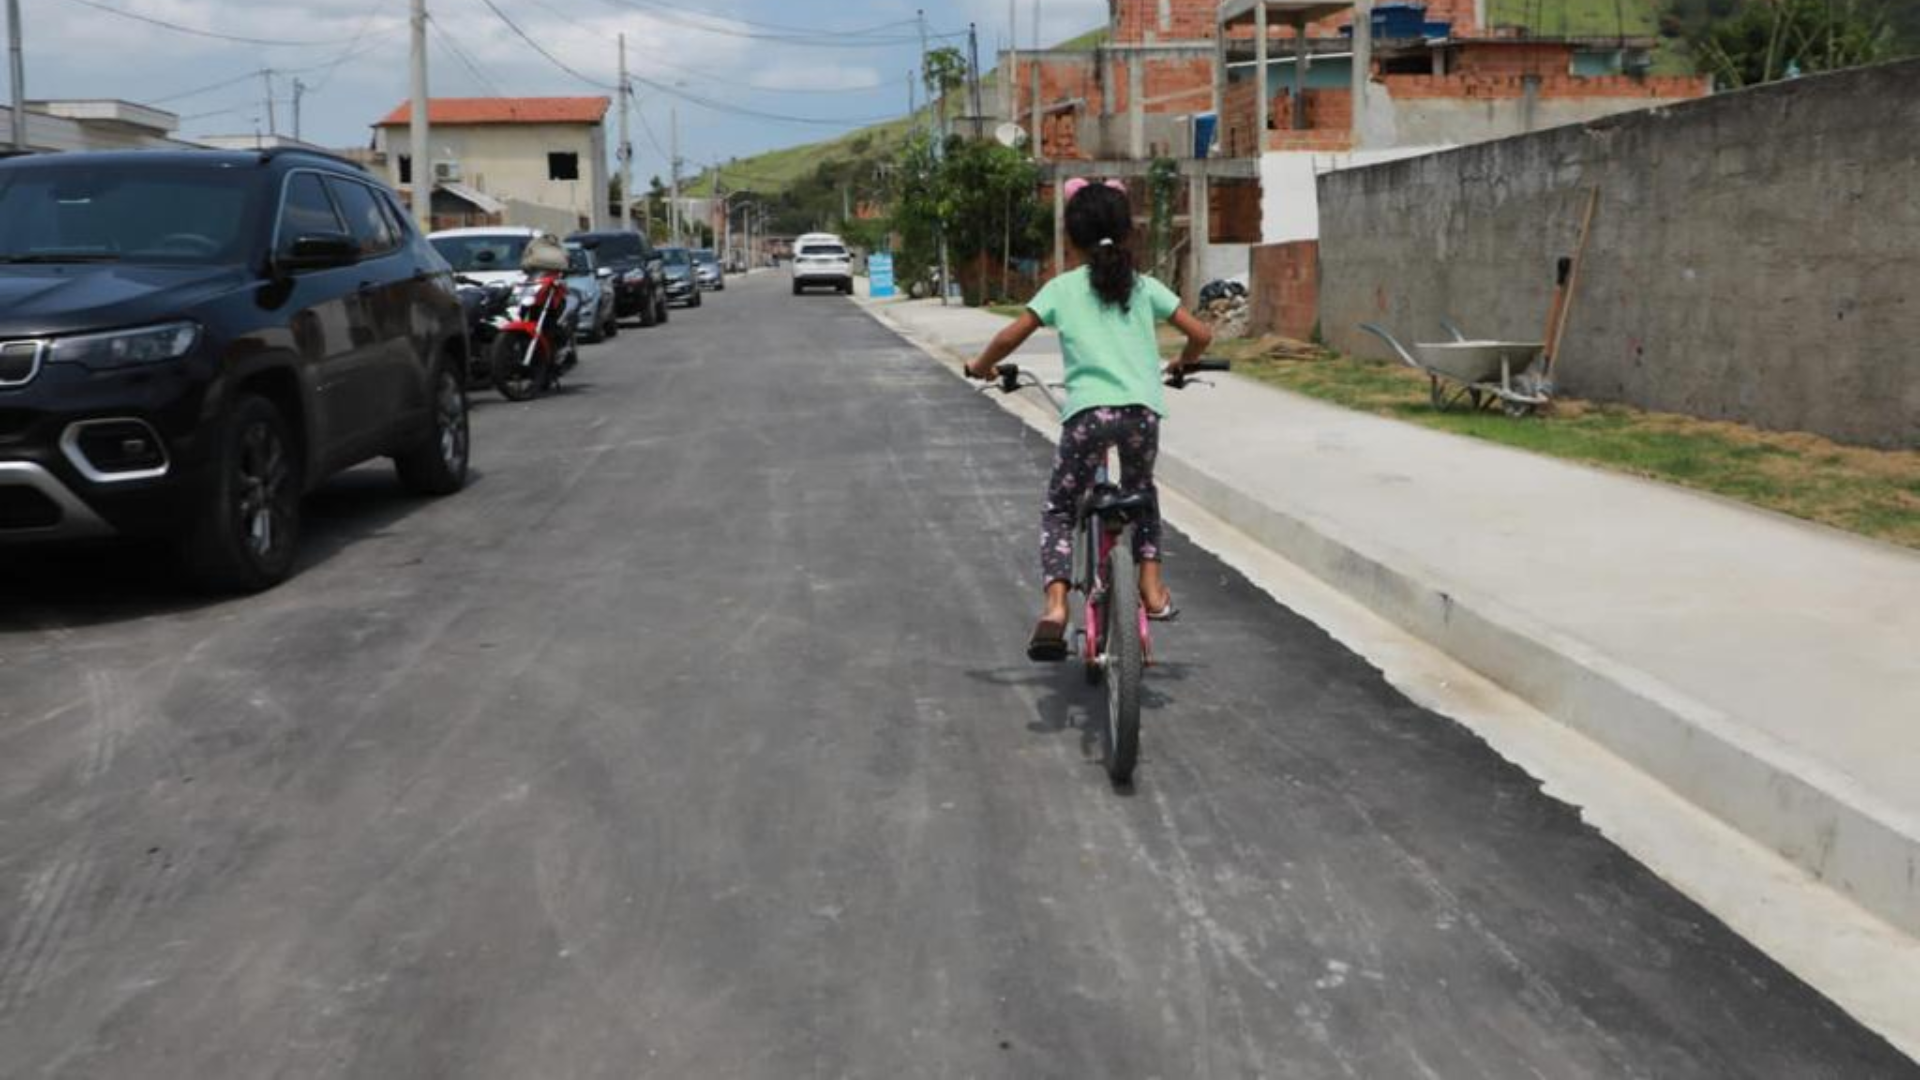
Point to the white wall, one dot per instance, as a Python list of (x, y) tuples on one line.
[(1289, 196), (56, 133), (1219, 261)]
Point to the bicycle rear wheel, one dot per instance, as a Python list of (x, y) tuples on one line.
[(1126, 661)]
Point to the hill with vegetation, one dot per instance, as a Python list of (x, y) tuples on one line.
[(851, 159)]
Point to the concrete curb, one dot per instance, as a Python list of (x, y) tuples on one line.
[(1815, 818)]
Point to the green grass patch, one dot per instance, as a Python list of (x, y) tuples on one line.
[(1009, 311), (1578, 18), (1873, 493)]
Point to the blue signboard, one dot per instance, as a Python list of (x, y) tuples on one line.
[(880, 276)]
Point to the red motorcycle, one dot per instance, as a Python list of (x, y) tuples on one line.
[(534, 341)]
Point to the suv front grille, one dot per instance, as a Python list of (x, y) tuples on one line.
[(20, 361)]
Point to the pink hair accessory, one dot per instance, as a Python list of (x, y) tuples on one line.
[(1079, 183)]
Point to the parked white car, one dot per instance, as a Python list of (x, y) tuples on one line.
[(822, 260), (489, 254)]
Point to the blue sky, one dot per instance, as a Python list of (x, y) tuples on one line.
[(844, 61)]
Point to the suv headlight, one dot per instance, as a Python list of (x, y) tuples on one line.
[(122, 348), (634, 277)]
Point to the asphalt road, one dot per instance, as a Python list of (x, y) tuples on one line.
[(695, 740)]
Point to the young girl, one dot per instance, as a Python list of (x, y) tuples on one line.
[(1106, 314)]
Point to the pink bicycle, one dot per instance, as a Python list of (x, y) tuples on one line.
[(1114, 638)]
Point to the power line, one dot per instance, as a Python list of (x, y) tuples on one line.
[(791, 36), (447, 40), (255, 73), (209, 88), (217, 36), (536, 47), (672, 90), (353, 50)]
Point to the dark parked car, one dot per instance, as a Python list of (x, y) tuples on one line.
[(189, 342), (639, 280)]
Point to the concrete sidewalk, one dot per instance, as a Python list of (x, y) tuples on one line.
[(1766, 670)]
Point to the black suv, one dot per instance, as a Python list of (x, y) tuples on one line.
[(190, 341), (639, 277)]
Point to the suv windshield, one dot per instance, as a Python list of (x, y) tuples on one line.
[(578, 262), (481, 254), (674, 256), (155, 214), (612, 249)]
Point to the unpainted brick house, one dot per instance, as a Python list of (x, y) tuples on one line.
[(1181, 79)]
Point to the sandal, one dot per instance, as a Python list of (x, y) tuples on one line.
[(1165, 614), (1048, 645)]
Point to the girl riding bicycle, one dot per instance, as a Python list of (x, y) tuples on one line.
[(1107, 315)]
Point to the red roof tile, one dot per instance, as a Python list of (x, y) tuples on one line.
[(541, 110)]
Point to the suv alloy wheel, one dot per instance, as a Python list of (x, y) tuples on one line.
[(248, 522), (438, 464)]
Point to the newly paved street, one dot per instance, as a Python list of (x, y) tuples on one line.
[(696, 740)]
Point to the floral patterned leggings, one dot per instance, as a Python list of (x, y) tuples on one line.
[(1084, 440)]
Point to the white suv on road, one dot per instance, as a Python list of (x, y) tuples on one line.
[(822, 259)]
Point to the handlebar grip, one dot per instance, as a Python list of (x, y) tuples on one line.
[(1009, 376), (1209, 363)]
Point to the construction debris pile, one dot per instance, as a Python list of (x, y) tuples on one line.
[(1225, 307)]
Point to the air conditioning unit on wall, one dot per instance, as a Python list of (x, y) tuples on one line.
[(446, 172)]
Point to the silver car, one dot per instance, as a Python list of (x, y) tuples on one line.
[(593, 286)]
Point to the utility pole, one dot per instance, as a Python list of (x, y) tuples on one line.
[(920, 16), (299, 89), (973, 79), (1009, 88), (273, 126), (418, 121), (913, 103), (18, 65), (626, 145), (673, 168)]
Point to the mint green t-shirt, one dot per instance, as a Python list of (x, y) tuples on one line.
[(1113, 357)]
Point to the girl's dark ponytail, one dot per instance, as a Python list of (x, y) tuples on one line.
[(1100, 224)]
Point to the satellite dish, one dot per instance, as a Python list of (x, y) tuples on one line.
[(1011, 135)]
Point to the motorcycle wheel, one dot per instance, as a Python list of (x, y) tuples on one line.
[(515, 380)]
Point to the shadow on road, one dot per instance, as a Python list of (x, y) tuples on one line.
[(73, 586)]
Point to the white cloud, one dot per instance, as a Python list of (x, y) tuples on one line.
[(76, 51)]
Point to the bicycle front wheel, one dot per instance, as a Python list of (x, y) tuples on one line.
[(1126, 661)]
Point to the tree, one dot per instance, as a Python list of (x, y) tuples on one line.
[(946, 71), (983, 196), (1775, 39)]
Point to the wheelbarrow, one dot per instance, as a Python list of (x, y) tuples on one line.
[(1479, 373)]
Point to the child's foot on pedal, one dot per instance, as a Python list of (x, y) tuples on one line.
[(1048, 645)]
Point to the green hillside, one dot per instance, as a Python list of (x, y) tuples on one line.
[(1579, 18)]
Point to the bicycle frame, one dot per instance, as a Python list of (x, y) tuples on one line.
[(1096, 534)]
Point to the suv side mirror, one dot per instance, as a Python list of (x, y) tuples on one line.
[(318, 251)]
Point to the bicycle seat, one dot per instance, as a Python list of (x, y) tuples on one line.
[(1110, 501)]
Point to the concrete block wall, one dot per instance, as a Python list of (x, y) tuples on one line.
[(1754, 257), (1504, 84), (1285, 289)]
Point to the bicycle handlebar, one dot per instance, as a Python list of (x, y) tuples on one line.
[(1182, 377), (1012, 379)]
